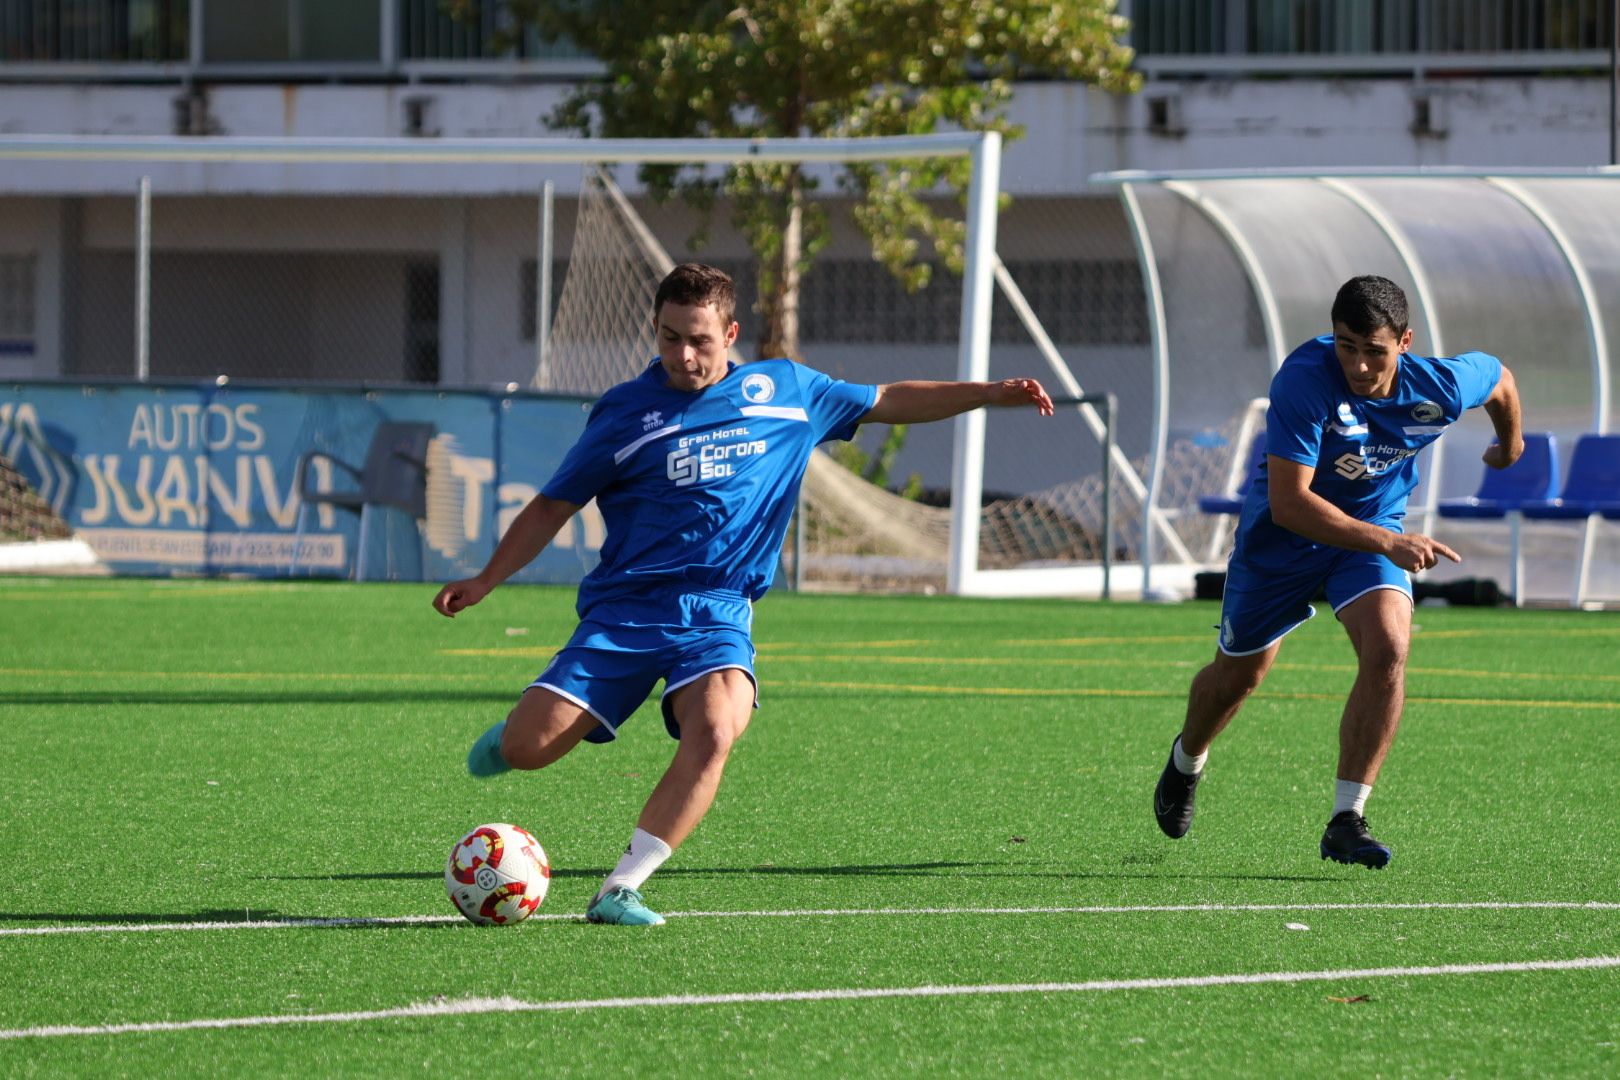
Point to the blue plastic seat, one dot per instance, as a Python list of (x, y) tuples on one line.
[(394, 475), (1592, 489), (1231, 502), (1503, 492)]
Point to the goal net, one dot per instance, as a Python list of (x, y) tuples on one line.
[(34, 538), (24, 516), (854, 533)]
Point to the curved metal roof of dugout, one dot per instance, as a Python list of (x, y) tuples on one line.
[(1240, 267)]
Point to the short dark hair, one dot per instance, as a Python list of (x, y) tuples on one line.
[(696, 284), (1366, 303)]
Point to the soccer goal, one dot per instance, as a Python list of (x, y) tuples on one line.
[(309, 195), (853, 533)]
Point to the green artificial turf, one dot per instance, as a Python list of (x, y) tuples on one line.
[(223, 752)]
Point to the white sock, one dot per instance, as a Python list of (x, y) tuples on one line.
[(645, 854), (1349, 795), (1187, 765)]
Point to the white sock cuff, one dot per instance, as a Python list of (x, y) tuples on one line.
[(1187, 764), (645, 854), (643, 842), (1350, 795)]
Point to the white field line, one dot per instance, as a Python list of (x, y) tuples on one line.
[(474, 1006), (1122, 909)]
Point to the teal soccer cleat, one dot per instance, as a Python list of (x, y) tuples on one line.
[(622, 907), (484, 759)]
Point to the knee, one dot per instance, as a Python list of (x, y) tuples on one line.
[(1384, 658), (523, 750), (709, 739), (1231, 684)]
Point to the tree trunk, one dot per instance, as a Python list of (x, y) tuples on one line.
[(780, 330)]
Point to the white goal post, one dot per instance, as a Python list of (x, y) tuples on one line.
[(980, 276)]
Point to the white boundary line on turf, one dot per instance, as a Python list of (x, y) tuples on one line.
[(473, 1006), (1120, 909)]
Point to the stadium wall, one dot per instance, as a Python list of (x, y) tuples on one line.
[(199, 479)]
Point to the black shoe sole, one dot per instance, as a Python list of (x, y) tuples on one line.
[(1373, 858)]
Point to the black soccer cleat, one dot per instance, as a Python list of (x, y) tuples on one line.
[(1348, 841), (1173, 799)]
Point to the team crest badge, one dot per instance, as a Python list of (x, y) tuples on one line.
[(1426, 412), (758, 388)]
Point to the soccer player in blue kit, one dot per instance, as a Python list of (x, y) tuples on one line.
[(1349, 413), (696, 467)]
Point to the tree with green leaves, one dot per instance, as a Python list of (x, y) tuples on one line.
[(833, 68)]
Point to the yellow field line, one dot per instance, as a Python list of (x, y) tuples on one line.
[(1091, 692), (518, 652), (1540, 632)]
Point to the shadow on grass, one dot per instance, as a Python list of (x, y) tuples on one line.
[(977, 870), (265, 697), (881, 870), (130, 918)]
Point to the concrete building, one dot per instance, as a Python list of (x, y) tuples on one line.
[(424, 274)]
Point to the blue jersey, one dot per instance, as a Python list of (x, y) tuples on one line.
[(1364, 450), (696, 489)]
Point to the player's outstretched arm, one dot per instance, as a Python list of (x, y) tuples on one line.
[(528, 535), (1300, 510), (919, 402), (1503, 409)]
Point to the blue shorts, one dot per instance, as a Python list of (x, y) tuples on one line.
[(1260, 605), (624, 646)]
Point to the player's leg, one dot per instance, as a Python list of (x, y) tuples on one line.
[(1380, 629), (589, 688), (1379, 624), (711, 712), (1258, 609), (541, 728), (1217, 693)]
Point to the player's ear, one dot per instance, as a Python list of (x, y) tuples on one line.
[(731, 333), (1406, 341)]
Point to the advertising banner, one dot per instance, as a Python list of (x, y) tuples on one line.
[(179, 479)]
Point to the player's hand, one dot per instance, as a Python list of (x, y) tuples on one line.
[(1498, 456), (458, 595), (1022, 392), (1414, 551)]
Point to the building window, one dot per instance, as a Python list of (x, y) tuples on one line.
[(17, 304)]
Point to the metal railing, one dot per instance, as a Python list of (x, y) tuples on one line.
[(1203, 37), (325, 39), (404, 39)]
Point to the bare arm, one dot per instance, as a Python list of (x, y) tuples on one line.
[(1503, 409), (1298, 509), (919, 402), (530, 532)]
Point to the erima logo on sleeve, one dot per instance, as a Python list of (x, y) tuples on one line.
[(651, 420)]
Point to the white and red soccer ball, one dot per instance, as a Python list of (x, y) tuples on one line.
[(497, 875)]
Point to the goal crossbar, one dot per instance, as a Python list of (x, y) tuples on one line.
[(236, 148)]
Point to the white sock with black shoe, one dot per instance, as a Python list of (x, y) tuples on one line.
[(645, 854), (1187, 764), (1349, 795)]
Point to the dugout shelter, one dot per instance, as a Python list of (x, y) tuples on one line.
[(1240, 267)]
